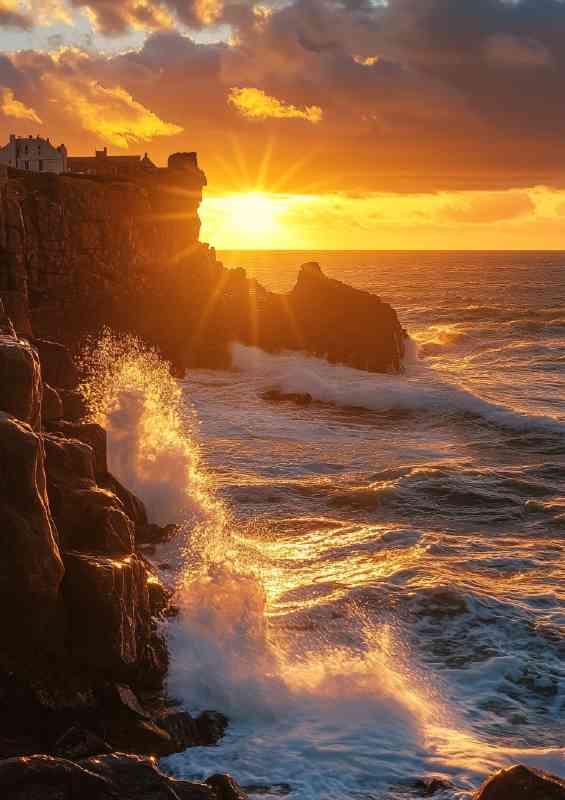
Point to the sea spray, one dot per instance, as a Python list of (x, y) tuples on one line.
[(421, 390), (226, 651)]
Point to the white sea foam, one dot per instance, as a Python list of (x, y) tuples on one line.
[(338, 707), (420, 390)]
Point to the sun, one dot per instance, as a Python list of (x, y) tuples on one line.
[(253, 213)]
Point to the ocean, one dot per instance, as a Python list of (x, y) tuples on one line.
[(371, 587)]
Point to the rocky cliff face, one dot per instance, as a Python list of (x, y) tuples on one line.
[(78, 253)]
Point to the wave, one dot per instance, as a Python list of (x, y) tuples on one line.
[(420, 391)]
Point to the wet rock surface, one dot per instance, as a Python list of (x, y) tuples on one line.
[(104, 777), (522, 783)]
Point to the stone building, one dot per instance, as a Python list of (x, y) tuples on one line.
[(103, 165), (34, 154)]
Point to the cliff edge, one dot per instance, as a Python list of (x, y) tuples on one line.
[(79, 253)]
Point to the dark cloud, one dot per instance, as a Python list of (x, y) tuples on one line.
[(415, 94), (11, 17)]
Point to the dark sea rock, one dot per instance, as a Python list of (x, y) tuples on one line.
[(31, 568), (101, 777), (20, 381), (57, 366), (522, 783), (111, 626), (78, 254), (88, 518), (226, 788), (52, 406)]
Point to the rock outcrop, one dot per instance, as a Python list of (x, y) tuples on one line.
[(105, 777), (80, 606), (77, 254), (522, 783)]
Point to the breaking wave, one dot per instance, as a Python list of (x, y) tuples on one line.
[(419, 391)]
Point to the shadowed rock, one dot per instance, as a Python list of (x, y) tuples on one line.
[(31, 569), (20, 381), (104, 777), (110, 619), (522, 783)]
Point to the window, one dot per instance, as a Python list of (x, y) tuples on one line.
[(40, 165), (26, 163)]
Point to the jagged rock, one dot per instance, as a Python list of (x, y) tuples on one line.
[(31, 569), (57, 366), (428, 787), (110, 621), (74, 406), (155, 534), (102, 777), (181, 727), (137, 778), (133, 506), (343, 324), (210, 726), (88, 518), (41, 777), (77, 743), (91, 434), (52, 405), (522, 783), (90, 254), (226, 788), (20, 381)]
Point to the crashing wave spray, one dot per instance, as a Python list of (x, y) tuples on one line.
[(287, 702)]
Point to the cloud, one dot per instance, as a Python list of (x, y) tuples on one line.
[(110, 113), (11, 107), (256, 104), (12, 17), (488, 208)]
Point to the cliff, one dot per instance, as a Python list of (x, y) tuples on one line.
[(79, 253)]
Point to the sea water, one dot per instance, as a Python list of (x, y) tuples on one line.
[(373, 592)]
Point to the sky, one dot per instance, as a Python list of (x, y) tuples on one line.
[(359, 124)]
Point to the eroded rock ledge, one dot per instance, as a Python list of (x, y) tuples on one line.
[(82, 660), (77, 254)]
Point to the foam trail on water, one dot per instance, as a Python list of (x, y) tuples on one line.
[(329, 719), (419, 390)]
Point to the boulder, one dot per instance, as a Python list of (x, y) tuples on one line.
[(20, 381), (41, 777), (225, 787), (31, 569), (57, 365), (210, 726), (74, 406), (111, 630), (133, 506), (102, 777), (52, 406), (88, 518), (137, 778), (88, 433), (522, 783)]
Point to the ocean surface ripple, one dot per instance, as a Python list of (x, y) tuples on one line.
[(381, 597)]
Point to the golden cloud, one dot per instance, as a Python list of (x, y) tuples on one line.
[(110, 113), (15, 108), (208, 11), (366, 61), (256, 104)]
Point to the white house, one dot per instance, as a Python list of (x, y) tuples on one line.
[(34, 154)]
